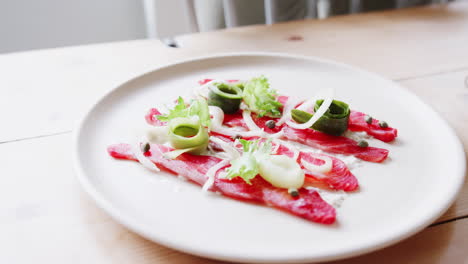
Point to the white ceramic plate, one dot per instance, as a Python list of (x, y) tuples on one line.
[(397, 198)]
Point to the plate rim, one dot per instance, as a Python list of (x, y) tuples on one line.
[(128, 222)]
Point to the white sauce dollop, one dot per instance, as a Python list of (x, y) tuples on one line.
[(334, 198)]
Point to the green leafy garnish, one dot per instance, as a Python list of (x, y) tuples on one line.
[(260, 98), (246, 166), (200, 108), (180, 110), (197, 108)]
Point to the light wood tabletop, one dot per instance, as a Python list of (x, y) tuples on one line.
[(46, 218)]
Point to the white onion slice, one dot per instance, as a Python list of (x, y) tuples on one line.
[(247, 116), (307, 104), (145, 161), (290, 104), (230, 150), (204, 89), (328, 98), (281, 171), (176, 153), (217, 115), (295, 151), (324, 168), (217, 125), (211, 173), (276, 135)]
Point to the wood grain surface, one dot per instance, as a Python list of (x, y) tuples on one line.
[(397, 44), (46, 218)]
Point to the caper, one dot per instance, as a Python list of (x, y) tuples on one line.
[(270, 124), (368, 119), (383, 124), (237, 137), (146, 148), (293, 192), (363, 144)]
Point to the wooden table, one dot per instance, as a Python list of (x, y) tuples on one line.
[(46, 218)]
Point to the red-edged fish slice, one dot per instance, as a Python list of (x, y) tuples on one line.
[(308, 204), (192, 167), (151, 117), (358, 123), (339, 178), (234, 120), (334, 144), (283, 99), (203, 81), (316, 139)]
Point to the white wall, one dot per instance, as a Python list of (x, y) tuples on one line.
[(35, 24)]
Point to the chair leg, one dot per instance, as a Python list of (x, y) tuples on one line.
[(160, 22), (285, 10), (355, 6), (312, 9), (230, 12), (270, 11), (192, 15), (243, 12)]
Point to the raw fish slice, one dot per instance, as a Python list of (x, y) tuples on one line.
[(315, 139), (334, 144), (308, 205), (151, 117), (358, 123), (338, 178)]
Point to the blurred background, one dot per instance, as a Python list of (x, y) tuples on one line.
[(33, 24)]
